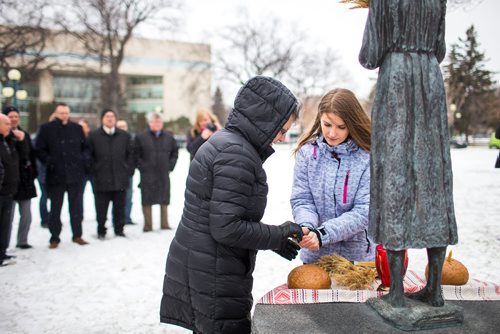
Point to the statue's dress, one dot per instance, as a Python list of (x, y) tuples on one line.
[(411, 203)]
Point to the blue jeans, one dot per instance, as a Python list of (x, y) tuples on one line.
[(44, 212)]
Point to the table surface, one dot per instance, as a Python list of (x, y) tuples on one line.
[(479, 317)]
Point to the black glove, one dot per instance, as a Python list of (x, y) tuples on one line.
[(288, 250), (291, 230)]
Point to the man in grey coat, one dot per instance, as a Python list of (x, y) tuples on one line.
[(156, 153)]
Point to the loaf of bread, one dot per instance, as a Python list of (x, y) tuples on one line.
[(454, 272), (309, 276)]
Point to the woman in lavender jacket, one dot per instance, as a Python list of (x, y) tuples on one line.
[(331, 187)]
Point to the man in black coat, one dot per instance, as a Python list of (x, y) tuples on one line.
[(27, 174), (156, 154), (62, 148), (208, 280), (112, 164), (10, 155)]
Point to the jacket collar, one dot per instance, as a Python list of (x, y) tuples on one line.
[(345, 148)]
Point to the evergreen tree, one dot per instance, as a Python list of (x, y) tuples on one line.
[(469, 84), (218, 107)]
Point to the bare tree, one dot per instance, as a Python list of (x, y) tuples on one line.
[(256, 48), (264, 47), (23, 36), (104, 27)]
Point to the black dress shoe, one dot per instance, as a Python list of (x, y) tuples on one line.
[(26, 246), (120, 234), (130, 223), (101, 236), (8, 257)]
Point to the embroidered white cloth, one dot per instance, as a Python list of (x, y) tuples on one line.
[(474, 290)]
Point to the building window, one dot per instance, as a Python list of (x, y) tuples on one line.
[(144, 94), (80, 93)]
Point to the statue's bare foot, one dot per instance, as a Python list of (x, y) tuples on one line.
[(395, 301), (427, 296)]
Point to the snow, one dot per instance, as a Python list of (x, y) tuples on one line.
[(115, 285)]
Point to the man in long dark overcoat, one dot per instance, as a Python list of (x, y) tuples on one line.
[(112, 164), (62, 148), (156, 154)]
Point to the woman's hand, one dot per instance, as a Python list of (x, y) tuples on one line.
[(310, 241), (206, 133)]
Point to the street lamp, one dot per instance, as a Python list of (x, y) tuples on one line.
[(453, 107), (17, 94)]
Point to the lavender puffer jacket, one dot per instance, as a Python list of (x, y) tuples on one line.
[(331, 193)]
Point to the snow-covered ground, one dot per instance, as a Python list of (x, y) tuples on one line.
[(114, 286)]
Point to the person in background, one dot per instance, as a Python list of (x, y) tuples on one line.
[(122, 124), (62, 148), (88, 178), (208, 279), (9, 159), (27, 174), (497, 135), (2, 173), (42, 204), (112, 164), (205, 126), (85, 127), (156, 155), (331, 184)]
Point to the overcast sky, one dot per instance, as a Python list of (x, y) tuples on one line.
[(329, 23)]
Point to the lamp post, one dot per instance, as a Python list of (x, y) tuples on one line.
[(12, 90)]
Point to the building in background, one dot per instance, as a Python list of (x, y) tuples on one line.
[(169, 77)]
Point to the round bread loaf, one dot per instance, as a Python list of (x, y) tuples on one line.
[(454, 272), (309, 276)]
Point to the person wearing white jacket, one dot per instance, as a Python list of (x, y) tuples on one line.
[(331, 186)]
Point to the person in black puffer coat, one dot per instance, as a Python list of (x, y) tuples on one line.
[(208, 281)]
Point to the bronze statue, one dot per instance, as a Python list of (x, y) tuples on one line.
[(411, 176)]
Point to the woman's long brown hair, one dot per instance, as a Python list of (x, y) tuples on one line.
[(343, 103)]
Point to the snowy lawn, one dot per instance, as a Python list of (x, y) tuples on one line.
[(115, 286)]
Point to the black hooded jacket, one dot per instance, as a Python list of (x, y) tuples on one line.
[(208, 280)]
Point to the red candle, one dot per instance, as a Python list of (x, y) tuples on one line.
[(383, 265)]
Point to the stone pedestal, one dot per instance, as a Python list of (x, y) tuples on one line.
[(479, 317), (417, 315)]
